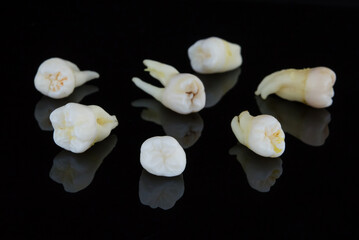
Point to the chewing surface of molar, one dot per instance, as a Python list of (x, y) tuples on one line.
[(312, 86), (310, 125), (160, 192), (261, 172), (57, 78), (214, 55), (186, 129), (163, 156), (262, 134), (76, 171), (183, 92), (77, 127)]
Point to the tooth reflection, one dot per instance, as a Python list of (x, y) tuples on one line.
[(218, 84), (261, 172), (186, 129), (46, 105), (160, 192), (76, 171), (310, 125)]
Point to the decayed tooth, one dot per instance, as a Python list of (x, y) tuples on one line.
[(261, 172), (186, 129), (76, 171), (312, 86), (57, 78), (214, 55), (77, 127), (183, 92), (262, 134), (163, 156)]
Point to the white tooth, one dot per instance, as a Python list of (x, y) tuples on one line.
[(163, 156), (183, 92), (262, 134), (77, 127), (261, 172), (214, 55), (312, 86), (57, 78)]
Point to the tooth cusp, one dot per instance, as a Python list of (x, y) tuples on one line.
[(163, 156), (262, 134), (214, 55), (76, 126)]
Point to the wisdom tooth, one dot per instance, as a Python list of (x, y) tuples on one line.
[(186, 129), (214, 55), (312, 86), (77, 127), (183, 92), (163, 156), (262, 134), (57, 78)]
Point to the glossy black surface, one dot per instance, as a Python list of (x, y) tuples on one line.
[(110, 196)]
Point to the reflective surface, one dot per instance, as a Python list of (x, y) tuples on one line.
[(226, 191)]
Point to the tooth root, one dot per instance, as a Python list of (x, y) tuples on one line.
[(82, 77), (214, 55), (155, 92), (160, 71), (105, 122)]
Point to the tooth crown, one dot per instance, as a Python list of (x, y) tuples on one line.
[(312, 86), (77, 127), (163, 156), (262, 134), (57, 78), (183, 92), (214, 55)]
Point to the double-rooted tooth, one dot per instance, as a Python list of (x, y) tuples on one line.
[(163, 156), (214, 55), (57, 78), (312, 86), (183, 92), (77, 127), (262, 134)]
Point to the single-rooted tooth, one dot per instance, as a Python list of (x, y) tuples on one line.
[(163, 156), (214, 55), (262, 134), (57, 78), (77, 127), (183, 92), (312, 86)]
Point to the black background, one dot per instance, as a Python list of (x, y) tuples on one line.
[(316, 195)]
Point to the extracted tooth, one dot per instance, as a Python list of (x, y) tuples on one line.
[(214, 55), (312, 86), (186, 129), (310, 125), (77, 127), (76, 171), (163, 156), (262, 134), (160, 192), (261, 172), (57, 78), (183, 92)]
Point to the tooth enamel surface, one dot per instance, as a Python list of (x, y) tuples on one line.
[(183, 93), (312, 86), (57, 78), (77, 127), (163, 156), (214, 55), (262, 134)]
